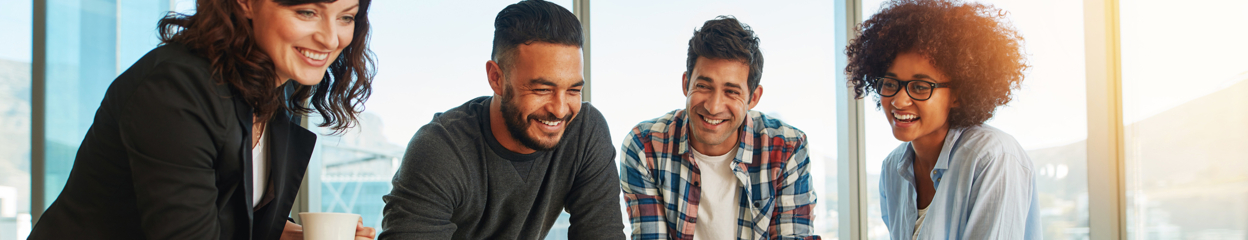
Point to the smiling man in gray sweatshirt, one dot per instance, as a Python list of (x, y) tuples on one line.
[(505, 166)]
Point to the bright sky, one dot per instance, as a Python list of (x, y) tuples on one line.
[(16, 16), (1167, 63)]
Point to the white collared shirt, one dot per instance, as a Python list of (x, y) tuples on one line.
[(259, 170)]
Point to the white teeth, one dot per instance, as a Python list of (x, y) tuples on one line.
[(551, 123), (713, 122), (904, 116), (312, 55)]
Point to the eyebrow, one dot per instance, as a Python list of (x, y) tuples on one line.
[(545, 82), (727, 84), (326, 5), (705, 78), (916, 76)]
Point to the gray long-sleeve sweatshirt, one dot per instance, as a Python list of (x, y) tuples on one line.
[(457, 182)]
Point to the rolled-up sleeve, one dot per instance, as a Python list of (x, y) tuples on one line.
[(797, 200), (641, 193)]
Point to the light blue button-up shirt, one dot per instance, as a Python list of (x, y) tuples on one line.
[(985, 189)]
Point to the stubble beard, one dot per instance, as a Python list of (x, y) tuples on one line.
[(517, 124)]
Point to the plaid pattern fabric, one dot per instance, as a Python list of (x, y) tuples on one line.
[(661, 182)]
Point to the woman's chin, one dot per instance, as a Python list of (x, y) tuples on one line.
[(307, 81), (903, 136)]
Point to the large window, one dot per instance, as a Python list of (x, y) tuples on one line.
[(1184, 80), (639, 54), (89, 43), (1048, 116), (1183, 104), (15, 109)]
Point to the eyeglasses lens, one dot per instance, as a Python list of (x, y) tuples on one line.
[(889, 86)]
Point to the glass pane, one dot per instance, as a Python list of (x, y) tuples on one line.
[(422, 69), (1048, 116), (639, 54), (15, 122), (1184, 110), (88, 44)]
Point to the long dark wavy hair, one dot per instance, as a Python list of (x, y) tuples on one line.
[(974, 44), (218, 32)]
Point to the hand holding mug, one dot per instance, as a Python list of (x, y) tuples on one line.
[(364, 233)]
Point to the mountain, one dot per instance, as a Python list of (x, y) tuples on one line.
[(1187, 166)]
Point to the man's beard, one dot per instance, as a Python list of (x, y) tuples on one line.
[(517, 124)]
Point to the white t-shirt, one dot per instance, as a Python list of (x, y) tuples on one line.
[(718, 207), (259, 170), (919, 223)]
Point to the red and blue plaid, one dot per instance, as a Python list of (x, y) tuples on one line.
[(661, 182)]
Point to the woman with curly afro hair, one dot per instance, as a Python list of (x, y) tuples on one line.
[(940, 68)]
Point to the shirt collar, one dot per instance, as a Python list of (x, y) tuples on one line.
[(951, 142), (906, 170)]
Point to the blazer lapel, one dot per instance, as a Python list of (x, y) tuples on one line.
[(291, 149), (243, 112)]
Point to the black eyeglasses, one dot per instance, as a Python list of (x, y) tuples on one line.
[(919, 90)]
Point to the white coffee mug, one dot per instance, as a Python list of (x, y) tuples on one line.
[(329, 226)]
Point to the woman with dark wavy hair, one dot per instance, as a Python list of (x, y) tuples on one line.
[(940, 69), (200, 138)]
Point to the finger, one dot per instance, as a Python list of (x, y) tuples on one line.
[(365, 232)]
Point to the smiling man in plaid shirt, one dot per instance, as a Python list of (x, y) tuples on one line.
[(716, 169)]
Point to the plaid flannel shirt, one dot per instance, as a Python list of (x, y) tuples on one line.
[(661, 182)]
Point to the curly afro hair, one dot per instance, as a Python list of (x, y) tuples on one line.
[(973, 44)]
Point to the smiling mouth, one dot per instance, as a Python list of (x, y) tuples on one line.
[(551, 123), (712, 121), (905, 117), (314, 55)]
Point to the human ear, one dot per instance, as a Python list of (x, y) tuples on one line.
[(245, 5), (495, 75), (684, 84), (953, 101), (757, 95)]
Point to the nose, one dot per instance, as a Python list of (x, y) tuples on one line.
[(559, 107), (901, 100), (715, 104), (326, 34)]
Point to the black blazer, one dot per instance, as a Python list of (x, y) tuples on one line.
[(169, 157)]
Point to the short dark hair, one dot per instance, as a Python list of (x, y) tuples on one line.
[(974, 44), (531, 21), (726, 38)]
